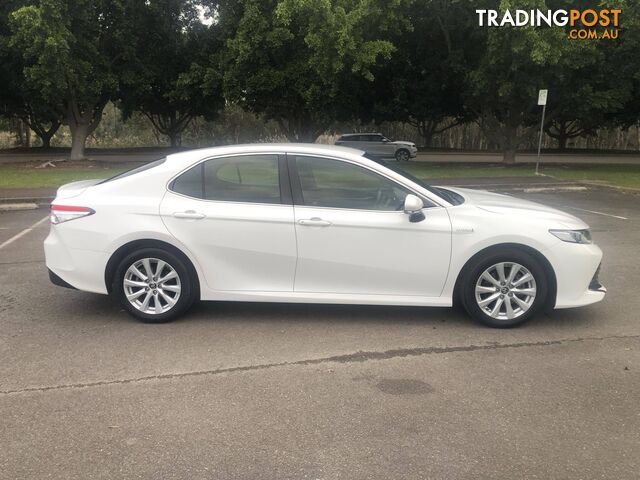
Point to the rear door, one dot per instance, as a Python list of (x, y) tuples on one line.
[(234, 215), (354, 238)]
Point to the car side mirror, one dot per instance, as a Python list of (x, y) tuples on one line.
[(413, 207)]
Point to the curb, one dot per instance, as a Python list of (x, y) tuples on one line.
[(517, 185), (12, 207), (617, 187), (36, 200)]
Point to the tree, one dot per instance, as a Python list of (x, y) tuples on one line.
[(167, 86), (9, 66), (626, 59), (584, 99), (584, 94), (75, 51), (286, 58), (517, 62), (423, 83)]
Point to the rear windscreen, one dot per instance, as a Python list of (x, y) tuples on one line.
[(133, 171)]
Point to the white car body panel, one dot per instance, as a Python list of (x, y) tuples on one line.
[(372, 252), (259, 252), (231, 252)]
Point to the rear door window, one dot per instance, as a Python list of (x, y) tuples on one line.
[(244, 178)]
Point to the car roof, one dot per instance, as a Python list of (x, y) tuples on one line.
[(361, 133), (309, 148)]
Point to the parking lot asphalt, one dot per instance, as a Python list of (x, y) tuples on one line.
[(275, 391)]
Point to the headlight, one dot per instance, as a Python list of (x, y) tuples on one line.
[(573, 236)]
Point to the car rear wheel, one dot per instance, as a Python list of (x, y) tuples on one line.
[(505, 289), (154, 285), (402, 155)]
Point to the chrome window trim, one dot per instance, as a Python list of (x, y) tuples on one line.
[(206, 159)]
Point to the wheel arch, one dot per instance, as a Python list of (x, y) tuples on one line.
[(127, 248), (546, 265)]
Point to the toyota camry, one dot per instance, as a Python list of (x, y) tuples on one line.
[(314, 224)]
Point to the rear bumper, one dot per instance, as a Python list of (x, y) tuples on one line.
[(56, 280), (74, 268)]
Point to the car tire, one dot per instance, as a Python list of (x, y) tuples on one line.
[(402, 155), (514, 299), (166, 300)]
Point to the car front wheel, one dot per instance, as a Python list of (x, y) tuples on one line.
[(505, 289), (153, 285)]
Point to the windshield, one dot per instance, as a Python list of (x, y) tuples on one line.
[(404, 173), (447, 195)]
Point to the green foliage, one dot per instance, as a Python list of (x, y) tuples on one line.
[(307, 65), (287, 58), (70, 47), (424, 80), (517, 62), (75, 51), (167, 84)]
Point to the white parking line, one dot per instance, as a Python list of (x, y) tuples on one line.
[(598, 213), (23, 233)]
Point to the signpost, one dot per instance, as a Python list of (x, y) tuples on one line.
[(542, 100)]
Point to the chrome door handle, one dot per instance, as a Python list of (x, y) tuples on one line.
[(190, 214), (314, 222)]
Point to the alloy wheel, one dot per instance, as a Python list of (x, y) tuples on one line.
[(402, 155), (152, 286), (505, 291)]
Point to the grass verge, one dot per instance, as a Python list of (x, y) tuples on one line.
[(447, 170), (28, 176), (618, 175)]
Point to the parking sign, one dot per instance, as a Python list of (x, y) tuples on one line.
[(542, 97)]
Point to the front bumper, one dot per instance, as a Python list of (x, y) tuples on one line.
[(576, 267), (595, 284)]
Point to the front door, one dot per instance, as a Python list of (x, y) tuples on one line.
[(354, 238), (231, 214)]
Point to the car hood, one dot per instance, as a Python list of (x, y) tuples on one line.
[(507, 205), (74, 189), (399, 142)]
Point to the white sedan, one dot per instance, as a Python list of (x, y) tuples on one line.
[(313, 224)]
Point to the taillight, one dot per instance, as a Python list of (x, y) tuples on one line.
[(64, 213)]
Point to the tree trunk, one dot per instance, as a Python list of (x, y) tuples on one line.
[(45, 135), (509, 156), (79, 134), (509, 143), (20, 133), (562, 142), (27, 135), (426, 130), (82, 124), (46, 140), (174, 139)]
